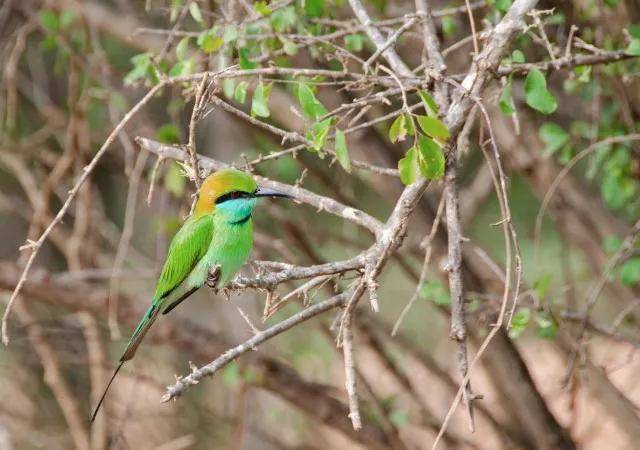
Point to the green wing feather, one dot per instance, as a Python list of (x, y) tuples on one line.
[(188, 246)]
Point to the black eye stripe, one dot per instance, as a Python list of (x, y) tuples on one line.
[(232, 196)]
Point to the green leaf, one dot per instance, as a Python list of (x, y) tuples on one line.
[(181, 68), (611, 244), (259, 103), (231, 375), (230, 34), (141, 68), (244, 59), (399, 418), (319, 133), (240, 93), (353, 42), (547, 328), (503, 5), (289, 47), (433, 127), (630, 272), (430, 105), (49, 21), (505, 102), (283, 19), (181, 48), (194, 10), (314, 8), (518, 57), (168, 133), (228, 87), (398, 130), (542, 285), (519, 322), (174, 181), (436, 292), (633, 48), (66, 18), (408, 166), (448, 26), (262, 8), (311, 107), (430, 159), (554, 137), (209, 42), (342, 153), (536, 93), (583, 74)]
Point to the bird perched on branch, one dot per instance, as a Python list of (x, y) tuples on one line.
[(210, 247)]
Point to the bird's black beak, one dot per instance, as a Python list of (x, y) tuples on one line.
[(265, 192)]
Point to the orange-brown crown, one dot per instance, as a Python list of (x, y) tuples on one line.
[(220, 183)]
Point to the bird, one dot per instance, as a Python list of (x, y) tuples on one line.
[(210, 247)]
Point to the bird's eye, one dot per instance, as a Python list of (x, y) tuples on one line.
[(235, 194)]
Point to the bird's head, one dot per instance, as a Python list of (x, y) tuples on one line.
[(231, 192)]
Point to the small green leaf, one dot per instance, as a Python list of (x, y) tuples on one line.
[(311, 107), (430, 105), (209, 42), (283, 19), (181, 68), (547, 328), (536, 93), (342, 153), (408, 166), (554, 137), (431, 159), (436, 292), (49, 21), (168, 133), (259, 103), (319, 133), (518, 57), (433, 127), (611, 244), (66, 18), (228, 87), (194, 10), (231, 375), (181, 48), (398, 130), (633, 48), (240, 93), (505, 102), (230, 34), (141, 68), (399, 418), (630, 272), (290, 47), (519, 322), (448, 26), (245, 60), (174, 181), (353, 42), (503, 5), (262, 8), (542, 285), (314, 8)]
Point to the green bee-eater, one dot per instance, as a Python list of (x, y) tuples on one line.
[(209, 248)]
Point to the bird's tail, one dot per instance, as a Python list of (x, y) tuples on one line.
[(130, 350), (137, 336)]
